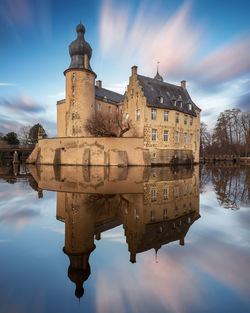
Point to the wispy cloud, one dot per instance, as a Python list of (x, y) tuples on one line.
[(7, 84), (23, 105), (176, 42), (25, 14)]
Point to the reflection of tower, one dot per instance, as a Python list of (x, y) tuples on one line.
[(79, 238)]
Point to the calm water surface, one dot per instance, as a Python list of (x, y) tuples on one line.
[(76, 239)]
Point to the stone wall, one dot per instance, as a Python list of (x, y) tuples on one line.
[(90, 151)]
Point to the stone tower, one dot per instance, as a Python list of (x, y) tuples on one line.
[(80, 86)]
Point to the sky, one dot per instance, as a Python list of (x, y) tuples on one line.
[(207, 43)]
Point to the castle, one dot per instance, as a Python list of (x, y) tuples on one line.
[(166, 122)]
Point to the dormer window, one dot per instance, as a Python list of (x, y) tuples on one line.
[(105, 98), (161, 99), (174, 102), (181, 104), (190, 106)]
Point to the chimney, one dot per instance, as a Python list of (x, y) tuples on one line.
[(183, 84), (99, 83), (182, 241), (134, 70)]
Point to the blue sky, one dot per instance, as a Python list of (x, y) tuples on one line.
[(205, 42)]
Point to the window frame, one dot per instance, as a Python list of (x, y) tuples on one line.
[(154, 134), (165, 135), (153, 114), (166, 116)]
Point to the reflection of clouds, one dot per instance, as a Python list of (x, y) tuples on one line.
[(170, 283), (59, 230), (115, 237), (16, 217), (225, 263)]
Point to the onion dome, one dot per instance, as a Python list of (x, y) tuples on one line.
[(78, 48)]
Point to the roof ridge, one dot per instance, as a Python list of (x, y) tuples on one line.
[(159, 82)]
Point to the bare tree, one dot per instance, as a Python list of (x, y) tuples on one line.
[(23, 135), (107, 125)]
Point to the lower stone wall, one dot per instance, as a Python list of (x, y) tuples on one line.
[(171, 156), (90, 151), (105, 151)]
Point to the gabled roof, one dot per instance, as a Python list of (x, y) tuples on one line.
[(108, 95), (154, 89)]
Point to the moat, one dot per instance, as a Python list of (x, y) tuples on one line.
[(125, 239)]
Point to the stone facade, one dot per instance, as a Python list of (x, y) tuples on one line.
[(168, 138)]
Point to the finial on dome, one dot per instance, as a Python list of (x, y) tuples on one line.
[(158, 76)]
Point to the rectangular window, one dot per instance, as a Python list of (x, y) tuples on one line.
[(153, 114), (191, 120), (153, 134), (165, 193), (185, 138), (190, 138), (166, 116), (177, 117), (153, 195), (110, 109), (176, 136), (138, 115), (185, 119), (98, 107), (127, 117), (166, 135), (137, 215)]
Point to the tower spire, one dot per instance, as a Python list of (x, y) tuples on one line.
[(158, 76)]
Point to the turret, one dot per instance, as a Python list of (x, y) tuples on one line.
[(80, 89)]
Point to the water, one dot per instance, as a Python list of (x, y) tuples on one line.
[(76, 239)]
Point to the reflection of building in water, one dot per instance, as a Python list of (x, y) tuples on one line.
[(155, 206)]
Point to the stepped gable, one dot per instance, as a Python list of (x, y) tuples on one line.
[(108, 95), (154, 89)]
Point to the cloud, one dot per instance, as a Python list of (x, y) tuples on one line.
[(25, 14), (7, 84), (176, 42), (244, 102), (7, 125), (113, 26), (23, 105), (120, 87), (225, 63)]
